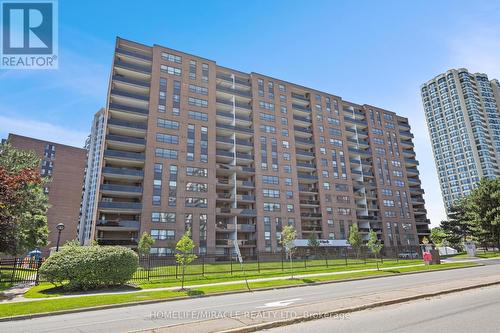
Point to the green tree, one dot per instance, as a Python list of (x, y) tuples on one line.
[(374, 244), (355, 239), (185, 255), (484, 208), (145, 243), (288, 236), (459, 224), (313, 242), (438, 236), (23, 203)]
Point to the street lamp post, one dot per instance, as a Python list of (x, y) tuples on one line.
[(59, 227)]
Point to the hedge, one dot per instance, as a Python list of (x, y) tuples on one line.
[(90, 267)]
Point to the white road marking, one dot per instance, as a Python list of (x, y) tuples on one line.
[(279, 303)]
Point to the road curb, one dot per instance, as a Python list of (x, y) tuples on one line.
[(327, 314), (153, 301)]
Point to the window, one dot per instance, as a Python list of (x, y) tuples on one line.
[(266, 105), (272, 207), (270, 193), (285, 144), (267, 129), (163, 217), (196, 115), (204, 72), (192, 69), (326, 185), (267, 117), (270, 180), (198, 90), (165, 123), (196, 202), (389, 203), (167, 138), (198, 102), (171, 57), (197, 172), (341, 187), (289, 208), (171, 70), (344, 211), (196, 187), (166, 153)]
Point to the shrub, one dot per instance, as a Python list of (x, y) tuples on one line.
[(89, 267)]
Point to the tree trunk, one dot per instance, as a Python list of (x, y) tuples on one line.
[(183, 270)]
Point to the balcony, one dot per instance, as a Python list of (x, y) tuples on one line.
[(313, 203), (134, 54), (230, 227), (311, 216), (133, 67), (122, 93), (405, 134), (135, 82), (305, 165), (300, 97), (307, 176), (236, 212), (117, 241), (356, 121), (122, 173), (236, 104), (232, 91), (357, 131), (120, 207), (230, 116), (304, 152), (116, 107), (232, 128), (366, 152), (301, 108), (118, 225), (121, 190), (411, 161), (122, 127), (227, 78), (125, 142), (124, 155), (308, 189)]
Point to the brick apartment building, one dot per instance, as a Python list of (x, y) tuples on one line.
[(65, 166), (236, 156)]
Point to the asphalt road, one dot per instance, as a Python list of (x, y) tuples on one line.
[(153, 315), (468, 311)]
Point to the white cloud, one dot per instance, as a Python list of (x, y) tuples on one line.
[(41, 130)]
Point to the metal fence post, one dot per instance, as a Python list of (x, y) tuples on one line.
[(231, 261), (38, 264), (12, 279), (176, 269), (345, 255), (258, 262), (282, 267), (203, 265), (326, 258), (149, 265)]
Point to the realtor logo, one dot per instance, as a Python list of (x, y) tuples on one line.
[(29, 34)]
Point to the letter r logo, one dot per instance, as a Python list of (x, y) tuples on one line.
[(27, 27)]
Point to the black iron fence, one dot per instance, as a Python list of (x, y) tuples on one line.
[(154, 267)]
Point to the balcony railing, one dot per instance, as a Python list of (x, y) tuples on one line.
[(122, 93), (306, 165), (123, 171), (301, 108), (121, 188), (121, 78), (127, 139), (134, 54), (119, 107), (133, 67), (235, 128), (233, 91), (237, 80), (299, 96), (124, 154), (304, 152), (119, 223), (300, 129), (123, 123), (120, 205), (236, 104), (113, 241), (306, 176)]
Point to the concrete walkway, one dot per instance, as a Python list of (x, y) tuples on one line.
[(20, 298)]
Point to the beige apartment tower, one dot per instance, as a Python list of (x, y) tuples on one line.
[(236, 156)]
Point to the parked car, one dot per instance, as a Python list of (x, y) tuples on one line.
[(408, 255)]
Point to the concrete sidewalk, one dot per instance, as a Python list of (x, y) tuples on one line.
[(337, 307), (19, 298)]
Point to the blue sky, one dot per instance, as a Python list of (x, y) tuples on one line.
[(373, 52)]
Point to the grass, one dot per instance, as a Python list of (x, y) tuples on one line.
[(47, 290), (51, 305), (484, 255)]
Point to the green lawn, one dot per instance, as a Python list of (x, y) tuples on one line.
[(45, 290), (51, 305), (479, 254)]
